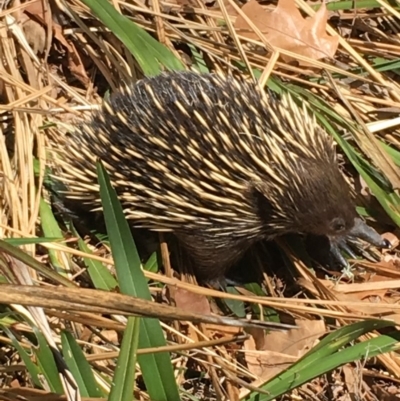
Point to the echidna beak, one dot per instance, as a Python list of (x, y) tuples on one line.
[(363, 231)]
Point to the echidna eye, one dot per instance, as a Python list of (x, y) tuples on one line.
[(338, 225)]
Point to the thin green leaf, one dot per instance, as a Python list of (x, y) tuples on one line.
[(237, 307), (102, 279), (353, 5), (393, 153), (198, 60), (149, 53), (33, 369), (51, 229), (124, 377), (47, 364), (79, 367), (390, 201), (34, 264), (327, 355), (29, 241), (152, 263), (156, 368)]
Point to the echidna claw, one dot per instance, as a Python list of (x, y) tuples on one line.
[(360, 231), (344, 246), (337, 255)]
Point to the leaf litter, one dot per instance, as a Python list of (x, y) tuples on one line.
[(285, 28)]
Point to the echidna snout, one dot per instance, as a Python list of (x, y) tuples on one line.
[(217, 161)]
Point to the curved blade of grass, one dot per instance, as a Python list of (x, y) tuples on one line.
[(51, 229), (124, 377), (149, 53), (328, 355), (79, 367), (156, 368), (29, 241), (353, 5), (235, 306), (378, 64), (34, 264), (367, 349), (47, 363), (102, 279), (151, 264), (33, 369), (339, 338), (393, 153), (198, 60)]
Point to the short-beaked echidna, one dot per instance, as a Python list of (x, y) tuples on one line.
[(216, 160)]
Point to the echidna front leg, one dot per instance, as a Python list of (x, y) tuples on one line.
[(212, 257)]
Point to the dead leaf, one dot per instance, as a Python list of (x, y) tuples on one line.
[(352, 380), (35, 35), (361, 292), (382, 394), (392, 238), (75, 63), (191, 302), (285, 28), (34, 22), (30, 20), (110, 335), (268, 355)]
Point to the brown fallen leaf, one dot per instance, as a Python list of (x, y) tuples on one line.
[(34, 31), (286, 29), (35, 23), (75, 63), (352, 380), (392, 238), (269, 354), (35, 35), (191, 302)]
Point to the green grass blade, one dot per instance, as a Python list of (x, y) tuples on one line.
[(50, 229), (236, 307), (34, 264), (393, 153), (328, 355), (156, 368), (333, 342), (353, 5), (29, 241), (102, 279), (151, 264), (47, 363), (79, 367), (149, 53), (198, 60), (130, 276), (33, 369), (124, 377)]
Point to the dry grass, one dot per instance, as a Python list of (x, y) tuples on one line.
[(56, 68)]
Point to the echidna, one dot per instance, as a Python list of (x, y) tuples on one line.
[(219, 162)]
